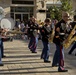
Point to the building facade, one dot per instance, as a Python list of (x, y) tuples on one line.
[(74, 6), (23, 9)]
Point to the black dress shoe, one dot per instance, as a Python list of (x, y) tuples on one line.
[(47, 61), (62, 70), (34, 52), (1, 64), (3, 56)]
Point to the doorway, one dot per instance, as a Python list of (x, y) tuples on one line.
[(21, 16)]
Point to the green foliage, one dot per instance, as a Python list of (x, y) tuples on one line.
[(55, 12), (66, 5)]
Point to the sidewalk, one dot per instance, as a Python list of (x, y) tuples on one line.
[(20, 61)]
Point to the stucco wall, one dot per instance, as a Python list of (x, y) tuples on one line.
[(6, 6), (74, 6), (40, 15)]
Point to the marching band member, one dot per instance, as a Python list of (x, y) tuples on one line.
[(1, 64), (33, 28), (45, 32), (60, 30), (3, 38), (74, 45)]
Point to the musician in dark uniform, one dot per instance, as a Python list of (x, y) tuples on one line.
[(45, 32), (1, 64), (32, 31), (29, 24), (74, 45), (60, 30), (3, 38), (1, 44)]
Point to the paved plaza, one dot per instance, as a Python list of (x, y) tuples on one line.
[(20, 61)]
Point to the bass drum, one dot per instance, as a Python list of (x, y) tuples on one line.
[(7, 23)]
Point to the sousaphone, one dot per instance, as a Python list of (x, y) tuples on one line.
[(7, 23)]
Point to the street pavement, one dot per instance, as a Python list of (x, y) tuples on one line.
[(20, 61)]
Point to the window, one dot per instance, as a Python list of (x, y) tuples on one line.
[(12, 15), (22, 9), (22, 2)]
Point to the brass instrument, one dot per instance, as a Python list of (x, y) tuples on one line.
[(40, 23), (52, 35), (16, 32), (70, 42), (69, 39)]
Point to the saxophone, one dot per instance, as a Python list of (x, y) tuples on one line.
[(70, 42), (69, 39)]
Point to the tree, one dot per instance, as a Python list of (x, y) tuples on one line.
[(55, 12), (66, 5)]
